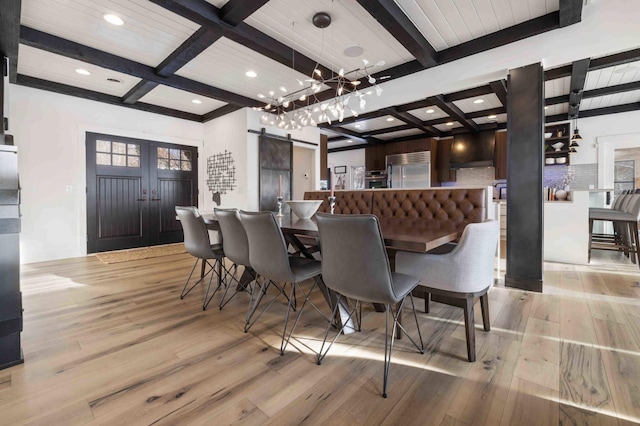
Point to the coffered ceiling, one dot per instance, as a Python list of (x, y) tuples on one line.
[(170, 53)]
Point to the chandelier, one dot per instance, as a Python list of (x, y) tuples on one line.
[(302, 108)]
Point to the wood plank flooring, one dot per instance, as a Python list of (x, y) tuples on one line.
[(115, 345)]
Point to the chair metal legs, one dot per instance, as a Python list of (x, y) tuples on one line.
[(211, 271), (256, 297), (241, 286), (388, 345)]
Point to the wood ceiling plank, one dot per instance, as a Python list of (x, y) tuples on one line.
[(10, 34), (360, 117), (454, 112), (610, 90), (351, 134), (610, 110), (613, 60), (60, 46), (38, 83), (389, 130), (467, 93), (398, 24), (219, 112), (570, 12), (508, 35)]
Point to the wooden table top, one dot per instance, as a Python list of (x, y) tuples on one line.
[(398, 234)]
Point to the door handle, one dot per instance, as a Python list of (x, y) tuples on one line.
[(156, 199), (142, 199)]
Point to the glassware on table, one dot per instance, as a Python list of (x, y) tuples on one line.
[(279, 207), (332, 203)]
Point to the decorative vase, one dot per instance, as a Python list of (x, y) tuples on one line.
[(561, 195)]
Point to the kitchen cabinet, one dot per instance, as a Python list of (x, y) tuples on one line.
[(445, 173), (374, 157), (500, 155), (559, 134)]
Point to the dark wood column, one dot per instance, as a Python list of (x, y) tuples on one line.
[(525, 162), (323, 156)]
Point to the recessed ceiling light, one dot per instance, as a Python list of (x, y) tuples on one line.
[(283, 89), (450, 123), (431, 111), (353, 51), (390, 119), (478, 101), (251, 74), (546, 107), (113, 19), (196, 101), (261, 96), (82, 71), (349, 141), (358, 126), (491, 117)]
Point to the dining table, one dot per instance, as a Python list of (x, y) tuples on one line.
[(403, 234)]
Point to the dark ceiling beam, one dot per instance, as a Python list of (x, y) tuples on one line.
[(570, 12), (508, 35), (612, 90), (410, 119), (555, 73), (616, 109), (556, 118), (468, 93), (576, 87), (219, 112), (481, 127), (441, 120), (209, 16), (486, 112), (360, 117), (10, 34), (398, 24), (613, 60), (70, 49), (454, 112), (337, 139), (236, 11), (500, 89), (556, 100), (413, 105), (187, 51), (138, 91), (65, 89), (346, 148), (350, 134)]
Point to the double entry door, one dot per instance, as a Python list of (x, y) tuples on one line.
[(133, 186)]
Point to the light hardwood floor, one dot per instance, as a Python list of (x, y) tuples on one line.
[(114, 345)]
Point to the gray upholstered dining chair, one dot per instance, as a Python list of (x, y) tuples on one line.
[(355, 265), (198, 245), (460, 275), (236, 248), (268, 256)]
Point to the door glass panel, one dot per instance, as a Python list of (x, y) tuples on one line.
[(133, 161), (133, 149), (174, 165), (103, 146), (103, 159), (186, 155), (163, 153), (119, 148), (186, 166), (174, 154), (119, 160), (163, 164)]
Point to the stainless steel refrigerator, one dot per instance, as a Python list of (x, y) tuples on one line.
[(412, 170)]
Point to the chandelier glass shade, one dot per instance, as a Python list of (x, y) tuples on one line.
[(301, 108)]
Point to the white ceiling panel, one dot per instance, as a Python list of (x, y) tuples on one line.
[(229, 74), (374, 124), (610, 100), (557, 109), (218, 3), (445, 128), (447, 23), (149, 34), (422, 114), (400, 134), (500, 118), (177, 99), (557, 87), (60, 69), (468, 105), (340, 144), (612, 76), (289, 21)]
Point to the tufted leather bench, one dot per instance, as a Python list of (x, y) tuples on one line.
[(431, 207)]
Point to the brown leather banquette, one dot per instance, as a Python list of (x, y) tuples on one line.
[(433, 207)]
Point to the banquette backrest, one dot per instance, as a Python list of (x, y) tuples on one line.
[(447, 207)]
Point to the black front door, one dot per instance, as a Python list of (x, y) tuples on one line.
[(133, 186)]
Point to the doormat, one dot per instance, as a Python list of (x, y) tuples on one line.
[(140, 253)]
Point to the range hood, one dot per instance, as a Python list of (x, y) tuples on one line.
[(472, 150)]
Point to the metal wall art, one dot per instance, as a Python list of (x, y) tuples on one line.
[(222, 174)]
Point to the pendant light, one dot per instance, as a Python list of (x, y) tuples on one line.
[(576, 137)]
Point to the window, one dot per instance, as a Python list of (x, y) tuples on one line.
[(357, 177), (174, 159), (118, 154), (624, 176)]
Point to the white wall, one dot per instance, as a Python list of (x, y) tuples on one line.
[(49, 131), (303, 175), (351, 158)]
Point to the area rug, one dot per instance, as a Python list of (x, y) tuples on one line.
[(140, 253)]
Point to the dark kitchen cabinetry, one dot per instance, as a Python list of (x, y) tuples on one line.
[(374, 157), (443, 157), (500, 155)]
